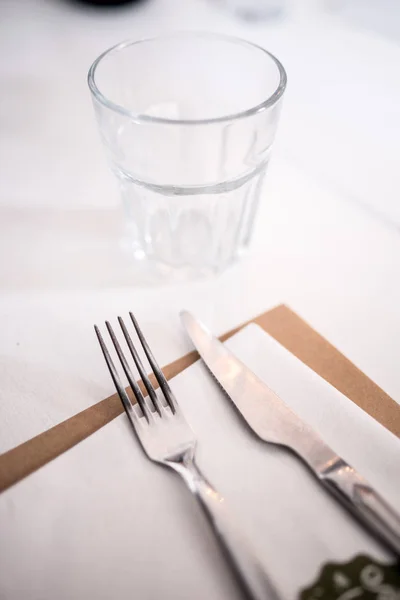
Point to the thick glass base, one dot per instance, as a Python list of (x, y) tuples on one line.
[(197, 231)]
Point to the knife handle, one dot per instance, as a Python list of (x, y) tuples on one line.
[(364, 502), (251, 574)]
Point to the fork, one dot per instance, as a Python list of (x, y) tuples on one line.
[(167, 439)]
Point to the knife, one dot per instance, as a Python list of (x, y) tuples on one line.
[(273, 421)]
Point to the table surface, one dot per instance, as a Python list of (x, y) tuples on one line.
[(327, 240)]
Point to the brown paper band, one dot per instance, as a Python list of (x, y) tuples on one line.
[(282, 324)]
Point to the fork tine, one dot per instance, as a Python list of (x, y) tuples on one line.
[(132, 382), (169, 396), (126, 403), (143, 375)]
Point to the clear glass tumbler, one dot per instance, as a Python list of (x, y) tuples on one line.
[(188, 121)]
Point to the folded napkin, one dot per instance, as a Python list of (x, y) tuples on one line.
[(101, 521)]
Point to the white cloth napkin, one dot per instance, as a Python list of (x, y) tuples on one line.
[(103, 522)]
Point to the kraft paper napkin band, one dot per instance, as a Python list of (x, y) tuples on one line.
[(283, 325)]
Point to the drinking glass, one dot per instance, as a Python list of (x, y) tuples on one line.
[(188, 121)]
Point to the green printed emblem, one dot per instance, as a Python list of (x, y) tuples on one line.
[(361, 579)]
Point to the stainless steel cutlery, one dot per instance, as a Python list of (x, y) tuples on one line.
[(273, 421), (168, 440)]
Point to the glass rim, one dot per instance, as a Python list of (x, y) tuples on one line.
[(143, 118)]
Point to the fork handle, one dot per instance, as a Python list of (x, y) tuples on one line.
[(237, 548)]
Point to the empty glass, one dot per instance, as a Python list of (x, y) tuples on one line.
[(188, 121)]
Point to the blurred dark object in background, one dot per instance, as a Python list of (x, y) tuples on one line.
[(108, 3)]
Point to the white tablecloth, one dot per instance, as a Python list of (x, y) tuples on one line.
[(327, 239)]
